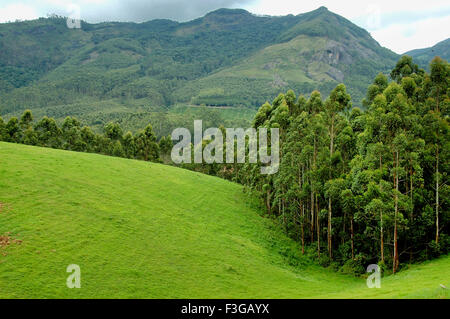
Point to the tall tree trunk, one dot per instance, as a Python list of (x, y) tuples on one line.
[(437, 170), (411, 198), (312, 217), (302, 209), (329, 199), (318, 228), (437, 195), (352, 236), (279, 206), (395, 259), (303, 230), (329, 228), (268, 201), (381, 217), (343, 228), (382, 236)]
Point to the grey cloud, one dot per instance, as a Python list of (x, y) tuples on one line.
[(387, 19), (144, 10)]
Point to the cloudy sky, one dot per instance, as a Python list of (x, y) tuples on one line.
[(397, 25)]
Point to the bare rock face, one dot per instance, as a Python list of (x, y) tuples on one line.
[(271, 65), (278, 82), (334, 54), (336, 74)]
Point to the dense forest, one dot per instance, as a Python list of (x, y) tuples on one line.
[(363, 187), (354, 187), (74, 137), (110, 71)]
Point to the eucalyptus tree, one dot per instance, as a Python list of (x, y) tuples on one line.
[(147, 148), (129, 145), (2, 130), (13, 130), (48, 133), (335, 105), (440, 73), (27, 134)]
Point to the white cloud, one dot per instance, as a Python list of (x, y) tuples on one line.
[(408, 36), (17, 11), (347, 8)]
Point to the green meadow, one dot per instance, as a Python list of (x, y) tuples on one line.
[(146, 230)]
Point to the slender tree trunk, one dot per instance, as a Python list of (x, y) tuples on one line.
[(381, 218), (302, 210), (279, 206), (395, 259), (437, 171), (329, 228), (382, 236), (312, 216), (437, 195), (314, 195), (318, 227), (343, 228), (329, 199), (303, 231), (352, 237), (411, 198), (411, 189), (437, 100)]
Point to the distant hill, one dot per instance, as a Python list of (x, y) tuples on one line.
[(423, 57), (226, 58), (319, 51)]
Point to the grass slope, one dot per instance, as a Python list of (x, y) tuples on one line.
[(145, 230)]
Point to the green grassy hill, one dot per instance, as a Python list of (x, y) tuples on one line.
[(146, 230)]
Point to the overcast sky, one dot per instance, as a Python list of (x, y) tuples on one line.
[(397, 25)]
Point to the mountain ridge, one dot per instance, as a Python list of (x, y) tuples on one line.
[(164, 63), (424, 56)]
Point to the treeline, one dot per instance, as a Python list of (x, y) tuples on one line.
[(74, 137), (353, 187), (357, 188)]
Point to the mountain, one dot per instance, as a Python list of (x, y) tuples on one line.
[(145, 230), (229, 57), (321, 50), (423, 57)]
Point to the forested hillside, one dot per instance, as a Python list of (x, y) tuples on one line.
[(424, 56), (111, 71), (353, 187)]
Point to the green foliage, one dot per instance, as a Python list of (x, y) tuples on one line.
[(72, 136), (227, 58), (405, 67), (146, 145), (368, 186)]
